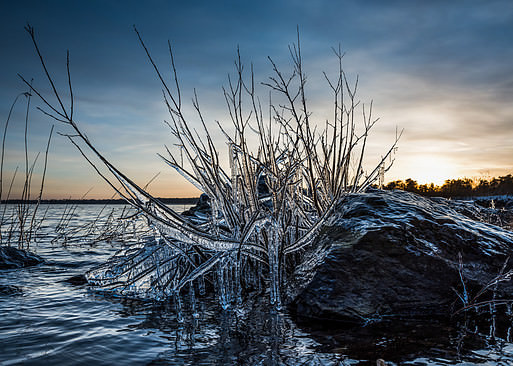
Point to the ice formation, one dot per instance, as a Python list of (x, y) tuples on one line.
[(266, 207)]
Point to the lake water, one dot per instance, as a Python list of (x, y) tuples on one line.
[(53, 322)]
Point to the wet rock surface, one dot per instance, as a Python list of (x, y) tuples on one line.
[(11, 257), (394, 255)]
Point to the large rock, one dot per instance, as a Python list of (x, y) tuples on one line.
[(394, 254), (201, 208), (11, 257)]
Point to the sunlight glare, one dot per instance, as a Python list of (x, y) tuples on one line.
[(432, 169)]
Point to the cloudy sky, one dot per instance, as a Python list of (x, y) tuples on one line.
[(440, 70)]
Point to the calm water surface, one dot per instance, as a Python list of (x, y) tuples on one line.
[(53, 322)]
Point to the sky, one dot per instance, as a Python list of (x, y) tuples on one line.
[(440, 70)]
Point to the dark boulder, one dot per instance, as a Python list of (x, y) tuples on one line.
[(262, 187), (394, 254), (202, 207), (11, 257)]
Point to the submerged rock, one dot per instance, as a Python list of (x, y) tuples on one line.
[(394, 254), (11, 257), (77, 280), (8, 290)]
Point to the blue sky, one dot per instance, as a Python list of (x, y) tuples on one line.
[(442, 70)]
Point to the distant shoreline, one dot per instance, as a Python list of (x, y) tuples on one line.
[(168, 201)]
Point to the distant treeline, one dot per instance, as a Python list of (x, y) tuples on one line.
[(464, 187), (168, 201)]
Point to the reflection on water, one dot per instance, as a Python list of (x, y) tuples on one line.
[(50, 321)]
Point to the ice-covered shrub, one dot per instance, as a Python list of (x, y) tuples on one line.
[(286, 174)]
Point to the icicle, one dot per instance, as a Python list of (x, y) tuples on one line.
[(229, 280), (178, 307), (214, 218), (201, 285), (192, 296), (259, 276), (222, 286), (492, 328), (238, 284), (274, 267)]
